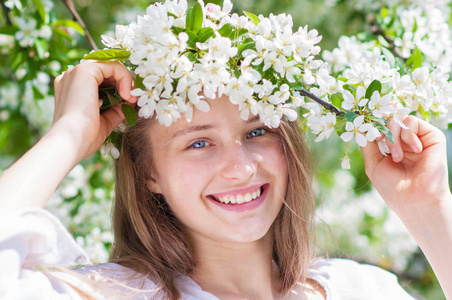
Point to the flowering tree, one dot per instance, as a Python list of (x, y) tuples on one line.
[(398, 65)]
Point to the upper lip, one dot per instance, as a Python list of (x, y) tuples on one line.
[(237, 191)]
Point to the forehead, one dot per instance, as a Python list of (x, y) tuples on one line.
[(222, 114)]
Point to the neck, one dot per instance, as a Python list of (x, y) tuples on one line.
[(236, 270)]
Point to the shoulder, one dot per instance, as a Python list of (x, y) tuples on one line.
[(116, 274), (347, 279), (124, 279)]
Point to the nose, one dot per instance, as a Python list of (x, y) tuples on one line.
[(239, 162)]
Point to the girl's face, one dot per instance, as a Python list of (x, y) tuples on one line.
[(224, 178)]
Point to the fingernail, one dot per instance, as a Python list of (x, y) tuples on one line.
[(414, 148), (395, 154)]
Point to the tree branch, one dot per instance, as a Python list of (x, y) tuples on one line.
[(325, 104), (6, 13), (70, 6)]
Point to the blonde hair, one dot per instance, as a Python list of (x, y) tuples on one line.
[(150, 240)]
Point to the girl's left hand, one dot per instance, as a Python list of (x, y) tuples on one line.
[(414, 178)]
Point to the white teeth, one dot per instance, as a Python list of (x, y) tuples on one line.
[(247, 197), (239, 199)]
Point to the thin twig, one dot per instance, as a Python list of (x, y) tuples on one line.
[(6, 13), (325, 104), (70, 6)]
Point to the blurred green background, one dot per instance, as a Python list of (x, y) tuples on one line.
[(353, 220)]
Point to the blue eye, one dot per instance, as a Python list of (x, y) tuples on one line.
[(199, 144), (256, 132)]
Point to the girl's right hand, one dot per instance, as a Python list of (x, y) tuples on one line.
[(77, 103), (78, 130)]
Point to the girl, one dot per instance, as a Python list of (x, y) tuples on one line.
[(215, 208)]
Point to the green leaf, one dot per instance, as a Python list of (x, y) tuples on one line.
[(17, 60), (139, 82), (298, 85), (255, 19), (383, 129), (415, 60), (191, 56), (337, 100), (393, 17), (41, 10), (226, 29), (384, 12), (400, 65), (247, 43), (109, 96), (425, 114), (192, 39), (112, 99), (129, 114), (37, 94), (389, 57), (76, 53), (69, 24), (42, 47), (386, 88), (109, 55), (374, 86), (350, 116), (340, 125), (5, 132), (415, 26), (176, 30), (189, 19), (199, 17), (235, 34), (194, 18), (63, 33), (350, 88), (204, 34), (8, 30), (382, 121)]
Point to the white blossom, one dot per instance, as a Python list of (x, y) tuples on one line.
[(345, 162), (351, 102), (381, 106), (356, 129), (109, 148)]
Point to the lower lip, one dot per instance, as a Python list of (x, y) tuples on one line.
[(244, 206)]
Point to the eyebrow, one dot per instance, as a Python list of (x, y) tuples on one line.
[(196, 128)]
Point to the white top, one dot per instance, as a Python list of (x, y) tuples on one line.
[(34, 237)]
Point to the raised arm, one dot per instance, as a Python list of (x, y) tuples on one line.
[(77, 131), (414, 183)]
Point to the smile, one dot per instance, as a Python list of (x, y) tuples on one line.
[(234, 198), (239, 199)]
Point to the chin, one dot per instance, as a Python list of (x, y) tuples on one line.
[(250, 233)]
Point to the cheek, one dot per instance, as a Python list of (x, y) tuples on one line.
[(182, 182), (273, 156)]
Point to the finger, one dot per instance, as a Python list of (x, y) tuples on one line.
[(372, 156), (396, 147), (118, 73), (410, 136), (110, 119)]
